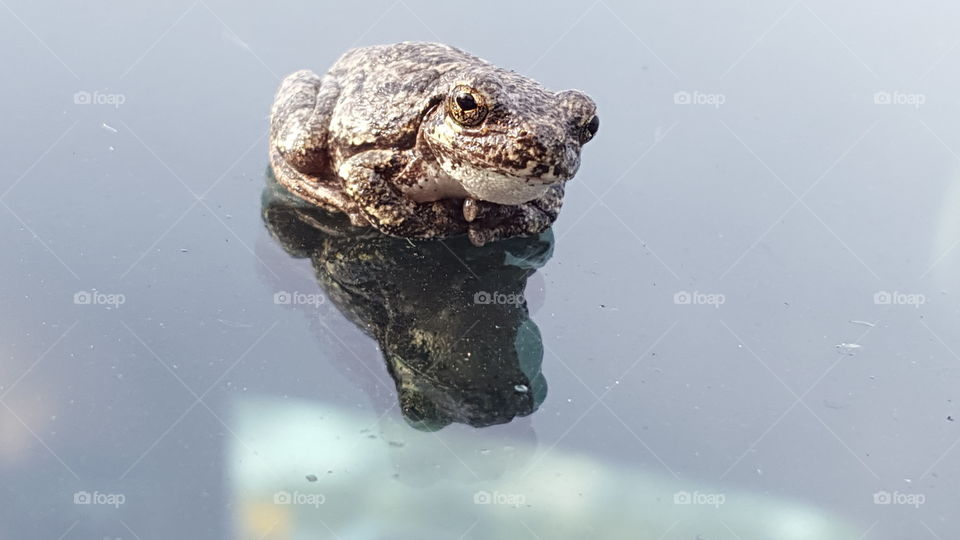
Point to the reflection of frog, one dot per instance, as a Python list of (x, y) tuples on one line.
[(425, 140), (449, 317)]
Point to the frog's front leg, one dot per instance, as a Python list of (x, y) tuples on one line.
[(370, 178), (489, 221)]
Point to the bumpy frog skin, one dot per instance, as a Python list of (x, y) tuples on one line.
[(425, 140)]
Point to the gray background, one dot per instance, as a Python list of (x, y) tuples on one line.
[(798, 199)]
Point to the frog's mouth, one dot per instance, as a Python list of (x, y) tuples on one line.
[(497, 186)]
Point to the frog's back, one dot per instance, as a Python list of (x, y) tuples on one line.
[(399, 60), (384, 90)]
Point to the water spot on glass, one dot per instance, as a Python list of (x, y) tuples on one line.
[(848, 348)]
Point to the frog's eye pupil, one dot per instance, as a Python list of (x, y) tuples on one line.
[(466, 102), (467, 107)]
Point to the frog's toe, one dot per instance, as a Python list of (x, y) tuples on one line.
[(479, 237), (471, 209)]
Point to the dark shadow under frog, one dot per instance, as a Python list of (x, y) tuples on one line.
[(450, 317)]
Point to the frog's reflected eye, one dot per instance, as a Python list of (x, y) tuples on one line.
[(589, 129), (466, 106)]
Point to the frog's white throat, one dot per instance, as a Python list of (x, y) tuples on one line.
[(496, 187)]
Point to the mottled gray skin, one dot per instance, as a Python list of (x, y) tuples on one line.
[(385, 138)]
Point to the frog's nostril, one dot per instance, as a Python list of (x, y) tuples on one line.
[(539, 170)]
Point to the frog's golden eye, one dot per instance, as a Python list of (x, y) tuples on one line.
[(466, 106)]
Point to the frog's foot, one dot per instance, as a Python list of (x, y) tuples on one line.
[(300, 118), (367, 181), (490, 221), (472, 209), (523, 220)]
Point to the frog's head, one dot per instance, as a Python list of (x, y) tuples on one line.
[(504, 137)]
